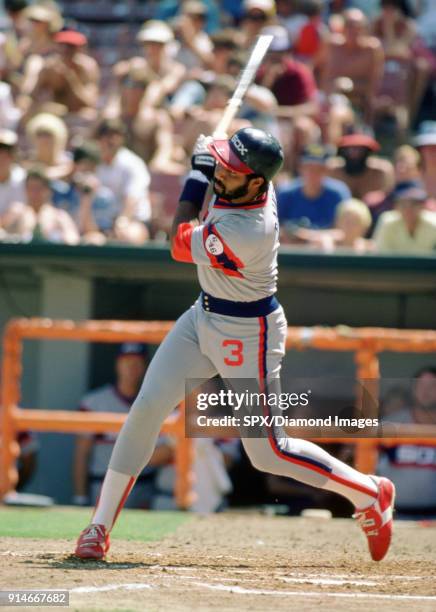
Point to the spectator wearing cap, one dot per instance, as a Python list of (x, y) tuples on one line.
[(311, 200), (11, 56), (425, 143), (92, 452), (225, 43), (194, 44), (353, 53), (127, 176), (70, 77), (12, 176), (91, 205), (257, 14), (289, 15), (409, 229), (157, 67), (358, 167), (37, 44), (48, 136), (44, 22), (36, 218)]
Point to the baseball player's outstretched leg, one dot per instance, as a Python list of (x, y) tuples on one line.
[(373, 497), (178, 358)]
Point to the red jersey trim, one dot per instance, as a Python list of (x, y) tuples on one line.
[(226, 261), (181, 244)]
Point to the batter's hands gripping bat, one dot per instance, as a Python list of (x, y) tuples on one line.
[(245, 80)]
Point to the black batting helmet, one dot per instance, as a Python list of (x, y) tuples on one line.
[(249, 151)]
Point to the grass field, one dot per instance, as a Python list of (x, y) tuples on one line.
[(230, 562), (60, 523)]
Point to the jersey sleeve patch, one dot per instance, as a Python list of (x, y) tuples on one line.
[(181, 245), (220, 254)]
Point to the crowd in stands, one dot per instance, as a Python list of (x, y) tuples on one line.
[(101, 104)]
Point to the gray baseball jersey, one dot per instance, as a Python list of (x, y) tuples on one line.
[(235, 248), (236, 329)]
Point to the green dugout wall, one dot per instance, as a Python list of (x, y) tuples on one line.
[(119, 282)]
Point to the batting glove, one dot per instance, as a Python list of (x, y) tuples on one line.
[(201, 159)]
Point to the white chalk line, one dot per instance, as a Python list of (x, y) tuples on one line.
[(328, 581), (133, 586), (243, 591)]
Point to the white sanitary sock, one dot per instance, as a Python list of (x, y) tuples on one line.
[(114, 492)]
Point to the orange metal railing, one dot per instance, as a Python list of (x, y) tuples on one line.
[(366, 343), (14, 419)]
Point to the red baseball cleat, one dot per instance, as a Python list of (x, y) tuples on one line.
[(93, 543), (376, 521)]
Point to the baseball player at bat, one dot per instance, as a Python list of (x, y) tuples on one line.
[(236, 329)]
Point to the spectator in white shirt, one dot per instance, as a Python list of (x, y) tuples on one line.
[(12, 176), (9, 113), (127, 176)]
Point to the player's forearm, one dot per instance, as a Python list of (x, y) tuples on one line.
[(186, 213)]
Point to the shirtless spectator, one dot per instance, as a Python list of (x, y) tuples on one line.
[(163, 74), (37, 44), (11, 56), (149, 130), (69, 77), (359, 168), (194, 44), (410, 229), (405, 75), (355, 54), (203, 119), (48, 136), (11, 175), (126, 175), (37, 219), (257, 14)]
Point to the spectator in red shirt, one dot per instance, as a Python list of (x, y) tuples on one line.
[(294, 87), (291, 81), (310, 45)]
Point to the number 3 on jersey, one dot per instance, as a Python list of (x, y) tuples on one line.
[(234, 356)]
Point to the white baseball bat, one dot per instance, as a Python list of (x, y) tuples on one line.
[(245, 80)]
